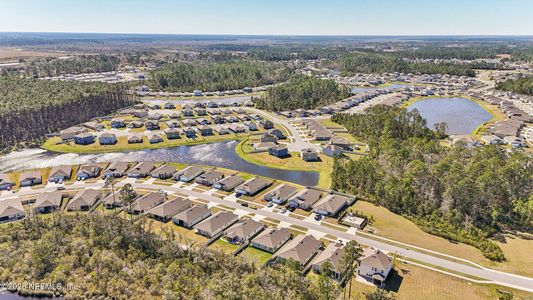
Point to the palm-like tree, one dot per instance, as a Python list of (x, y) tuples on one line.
[(127, 196), (109, 185), (349, 261)]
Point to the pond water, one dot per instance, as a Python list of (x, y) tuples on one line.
[(462, 115), (220, 154), (390, 87)]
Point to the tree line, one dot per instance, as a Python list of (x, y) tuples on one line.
[(521, 85), (31, 108), (307, 92), (108, 256), (372, 62), (460, 193), (219, 76)]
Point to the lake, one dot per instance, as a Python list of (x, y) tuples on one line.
[(220, 154), (462, 115)]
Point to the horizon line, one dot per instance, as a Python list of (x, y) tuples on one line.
[(275, 35)]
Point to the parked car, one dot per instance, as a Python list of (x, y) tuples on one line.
[(270, 204), (318, 217), (291, 208), (283, 210), (245, 204)]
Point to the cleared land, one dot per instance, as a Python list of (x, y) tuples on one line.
[(398, 228)]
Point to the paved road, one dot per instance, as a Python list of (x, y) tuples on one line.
[(497, 277), (297, 142)]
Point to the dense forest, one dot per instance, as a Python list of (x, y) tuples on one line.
[(73, 65), (306, 92), (369, 62), (107, 256), (522, 85), (31, 108), (278, 53), (221, 76), (461, 193)]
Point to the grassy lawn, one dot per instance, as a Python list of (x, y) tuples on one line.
[(182, 235), (259, 257), (389, 225), (222, 245), (122, 144), (293, 162), (412, 282)]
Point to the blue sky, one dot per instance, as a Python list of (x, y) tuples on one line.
[(309, 17)]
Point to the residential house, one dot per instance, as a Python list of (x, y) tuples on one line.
[(203, 121), (135, 139), (47, 202), (187, 112), (192, 216), (116, 169), (11, 210), (163, 172), (205, 130), (341, 142), (169, 105), (375, 266), (84, 200), (332, 150), (135, 124), (236, 128), (146, 202), (200, 111), (155, 139), (332, 204), (277, 133), (60, 173), (188, 174), (189, 122), (242, 231), (155, 116), (308, 154), (491, 139), (189, 132), (216, 223), (218, 119), (221, 130), (280, 194), (278, 151), (30, 178), (253, 186), (118, 123), (93, 125), (151, 125), (266, 124), (209, 178), (70, 133), (331, 254), (107, 139), (251, 126), (228, 183), (306, 199), (301, 249), (271, 239), (268, 138), (173, 124), (6, 183), (167, 210), (84, 139), (112, 200), (88, 171), (141, 169), (263, 146)]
